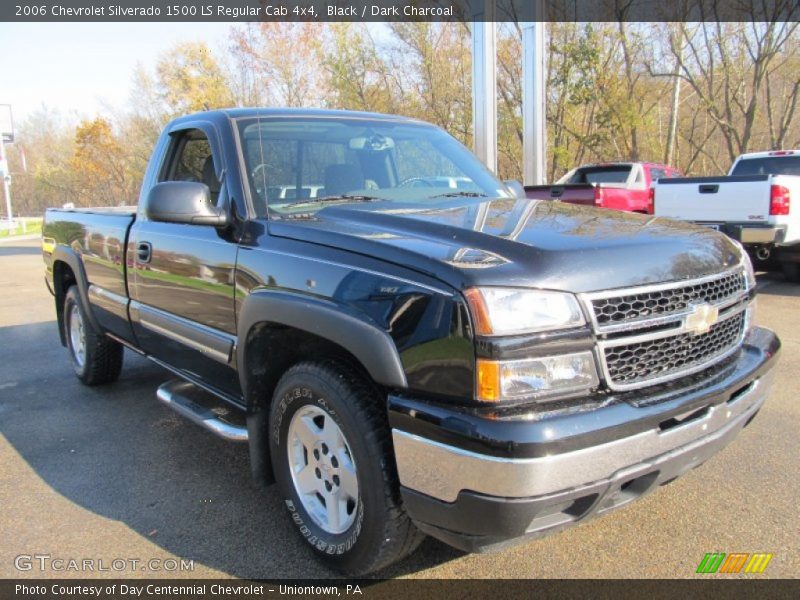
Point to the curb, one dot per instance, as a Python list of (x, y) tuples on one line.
[(21, 238)]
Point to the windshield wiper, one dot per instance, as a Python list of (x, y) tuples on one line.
[(462, 194), (349, 197)]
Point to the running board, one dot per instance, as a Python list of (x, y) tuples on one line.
[(187, 400)]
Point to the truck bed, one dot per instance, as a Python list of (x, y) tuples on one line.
[(97, 237), (574, 193), (127, 210)]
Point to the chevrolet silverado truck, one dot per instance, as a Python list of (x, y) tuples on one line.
[(752, 204), (622, 186), (404, 358)]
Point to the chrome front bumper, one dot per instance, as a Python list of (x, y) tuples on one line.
[(443, 471)]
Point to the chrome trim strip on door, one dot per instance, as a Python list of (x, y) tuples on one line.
[(216, 344)]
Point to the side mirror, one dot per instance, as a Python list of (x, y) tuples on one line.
[(516, 187), (186, 202)]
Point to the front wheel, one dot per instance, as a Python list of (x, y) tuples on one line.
[(96, 359), (331, 453)]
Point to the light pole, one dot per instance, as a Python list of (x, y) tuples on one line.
[(484, 83), (6, 134), (6, 177), (534, 85)]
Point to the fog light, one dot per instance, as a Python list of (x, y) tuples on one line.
[(536, 378)]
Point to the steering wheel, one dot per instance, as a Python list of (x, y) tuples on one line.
[(411, 181), (259, 182), (257, 170)]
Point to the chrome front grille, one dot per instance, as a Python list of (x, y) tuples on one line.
[(658, 300), (653, 334), (639, 362)]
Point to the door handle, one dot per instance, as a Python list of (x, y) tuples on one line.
[(144, 252), (708, 188)]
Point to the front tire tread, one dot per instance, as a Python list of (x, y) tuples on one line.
[(400, 536)]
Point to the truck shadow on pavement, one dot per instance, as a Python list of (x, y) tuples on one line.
[(9, 250), (115, 451), (775, 284)]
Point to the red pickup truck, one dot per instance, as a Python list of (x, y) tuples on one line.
[(617, 185)]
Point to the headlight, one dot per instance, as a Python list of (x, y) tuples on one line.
[(508, 311), (748, 270), (750, 277), (536, 378)]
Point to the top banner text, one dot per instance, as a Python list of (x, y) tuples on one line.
[(399, 10)]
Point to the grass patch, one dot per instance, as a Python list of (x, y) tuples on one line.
[(24, 227)]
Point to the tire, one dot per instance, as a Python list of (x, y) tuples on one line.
[(330, 442), (791, 270), (96, 359)]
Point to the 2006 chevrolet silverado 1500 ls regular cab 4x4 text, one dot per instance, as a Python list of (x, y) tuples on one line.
[(404, 360)]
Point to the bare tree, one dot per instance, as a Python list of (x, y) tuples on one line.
[(728, 66)]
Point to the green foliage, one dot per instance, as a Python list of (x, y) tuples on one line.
[(189, 79)]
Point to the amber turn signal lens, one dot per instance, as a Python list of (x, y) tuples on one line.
[(488, 380), (480, 314)]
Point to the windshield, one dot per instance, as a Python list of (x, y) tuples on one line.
[(298, 164), (771, 165)]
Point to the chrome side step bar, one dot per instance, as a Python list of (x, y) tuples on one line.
[(185, 398)]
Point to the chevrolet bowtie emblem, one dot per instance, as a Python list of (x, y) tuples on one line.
[(701, 318)]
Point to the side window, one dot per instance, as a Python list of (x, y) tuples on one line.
[(657, 173), (192, 160)]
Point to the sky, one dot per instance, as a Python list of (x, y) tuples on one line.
[(82, 68)]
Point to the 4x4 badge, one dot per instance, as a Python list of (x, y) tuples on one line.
[(701, 319)]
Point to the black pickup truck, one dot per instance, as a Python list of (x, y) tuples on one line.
[(405, 346)]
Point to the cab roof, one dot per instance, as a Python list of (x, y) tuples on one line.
[(238, 113)]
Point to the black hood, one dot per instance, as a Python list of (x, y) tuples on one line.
[(526, 243)]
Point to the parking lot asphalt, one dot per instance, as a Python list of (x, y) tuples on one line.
[(109, 473)]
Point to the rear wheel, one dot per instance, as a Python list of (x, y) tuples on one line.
[(331, 453), (96, 359)]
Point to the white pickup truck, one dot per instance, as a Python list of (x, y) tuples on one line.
[(752, 205)]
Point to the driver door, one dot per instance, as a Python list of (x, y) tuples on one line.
[(182, 283)]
